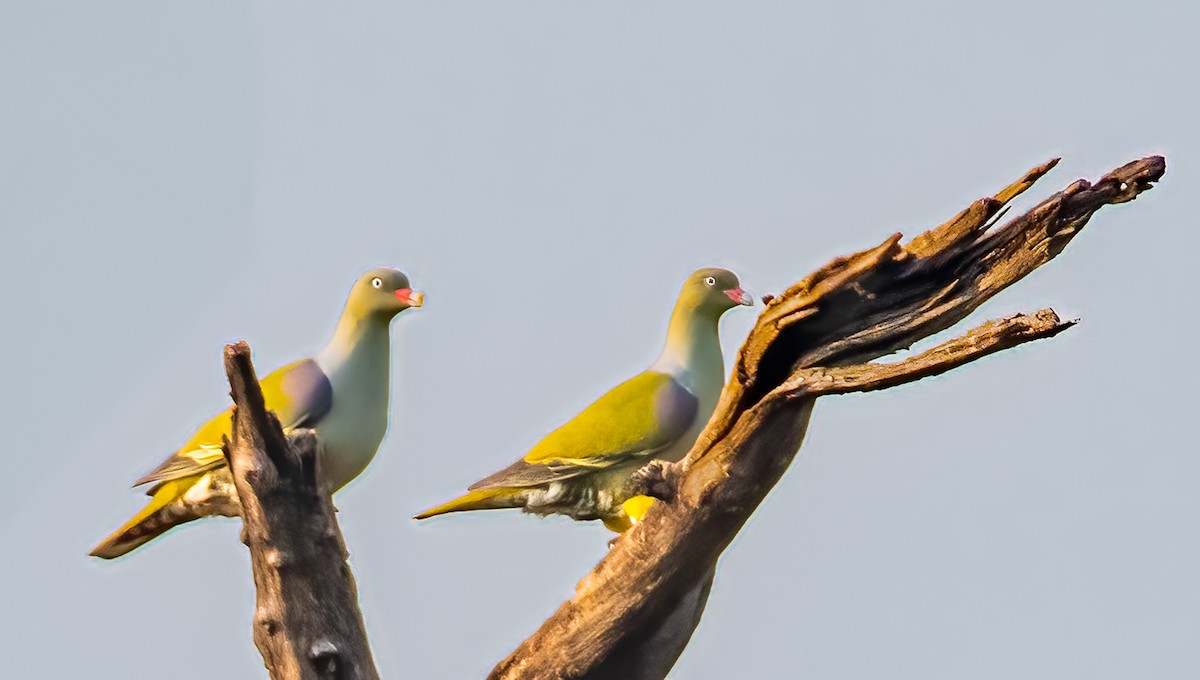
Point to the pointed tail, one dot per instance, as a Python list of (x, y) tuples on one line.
[(166, 510), (484, 499)]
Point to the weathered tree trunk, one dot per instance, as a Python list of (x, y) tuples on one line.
[(811, 340), (652, 653), (307, 623)]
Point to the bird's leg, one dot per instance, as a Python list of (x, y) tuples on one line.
[(656, 481)]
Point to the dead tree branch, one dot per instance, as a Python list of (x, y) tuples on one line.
[(814, 339), (307, 623), (981, 341)]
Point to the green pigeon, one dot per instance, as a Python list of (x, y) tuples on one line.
[(342, 393), (584, 468)]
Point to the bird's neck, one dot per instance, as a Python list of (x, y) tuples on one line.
[(359, 343), (692, 351)]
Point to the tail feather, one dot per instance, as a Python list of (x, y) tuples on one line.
[(484, 499), (166, 510)]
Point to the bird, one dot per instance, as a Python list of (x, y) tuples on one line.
[(584, 468), (341, 392)]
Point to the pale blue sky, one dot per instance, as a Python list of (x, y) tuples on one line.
[(175, 176)]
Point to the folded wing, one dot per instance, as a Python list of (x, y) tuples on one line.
[(637, 419), (300, 395)]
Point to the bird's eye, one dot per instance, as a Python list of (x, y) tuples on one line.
[(710, 281), (377, 282)]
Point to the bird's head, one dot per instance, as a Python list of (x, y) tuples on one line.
[(713, 291), (382, 294)]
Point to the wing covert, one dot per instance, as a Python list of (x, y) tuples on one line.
[(300, 394), (636, 419)]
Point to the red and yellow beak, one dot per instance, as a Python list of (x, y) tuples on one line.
[(410, 297), (740, 296)]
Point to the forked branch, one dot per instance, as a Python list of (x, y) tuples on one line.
[(813, 339)]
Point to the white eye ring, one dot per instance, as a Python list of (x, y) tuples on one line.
[(377, 282), (710, 281)]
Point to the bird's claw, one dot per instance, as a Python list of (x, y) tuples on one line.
[(656, 479)]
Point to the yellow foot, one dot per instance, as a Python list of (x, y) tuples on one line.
[(632, 512), (637, 507), (618, 523)]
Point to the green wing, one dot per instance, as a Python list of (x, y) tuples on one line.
[(636, 419), (298, 393)]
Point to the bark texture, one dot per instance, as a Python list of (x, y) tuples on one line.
[(307, 622), (814, 339)]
